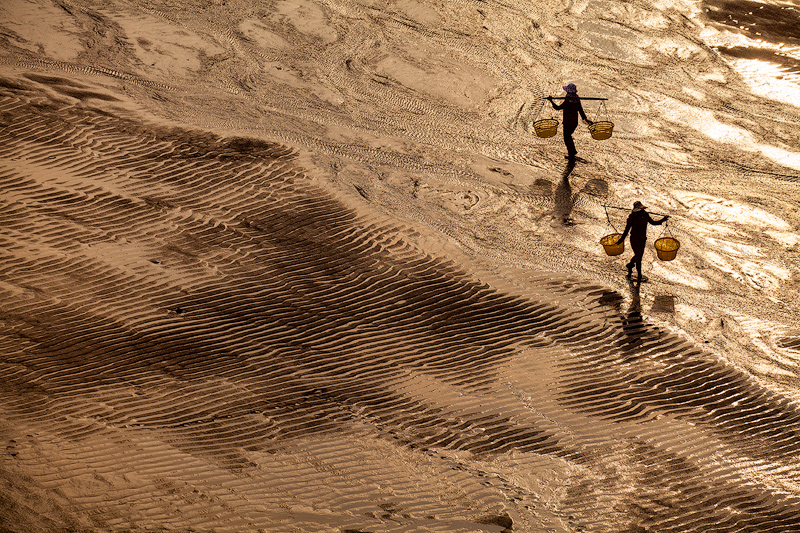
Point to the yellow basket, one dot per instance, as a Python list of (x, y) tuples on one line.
[(610, 246), (601, 130), (667, 248), (546, 127)]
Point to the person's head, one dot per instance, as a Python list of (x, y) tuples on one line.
[(571, 89), (637, 205)]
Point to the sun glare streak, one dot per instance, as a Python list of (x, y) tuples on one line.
[(705, 122)]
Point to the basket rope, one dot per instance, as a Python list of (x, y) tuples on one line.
[(608, 218), (539, 111), (536, 116), (665, 231), (603, 108)]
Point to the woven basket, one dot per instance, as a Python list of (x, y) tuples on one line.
[(667, 248), (546, 127), (601, 130), (610, 246)]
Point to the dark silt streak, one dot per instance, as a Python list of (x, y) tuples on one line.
[(204, 293), (777, 23)]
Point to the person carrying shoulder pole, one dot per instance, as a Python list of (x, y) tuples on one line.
[(572, 108), (637, 227)]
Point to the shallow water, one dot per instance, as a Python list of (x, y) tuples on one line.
[(304, 266)]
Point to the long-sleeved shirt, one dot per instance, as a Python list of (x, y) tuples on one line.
[(637, 225), (572, 107)]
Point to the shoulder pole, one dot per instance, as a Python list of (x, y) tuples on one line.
[(581, 97), (607, 207)]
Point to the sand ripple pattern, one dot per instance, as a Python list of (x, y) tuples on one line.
[(194, 335)]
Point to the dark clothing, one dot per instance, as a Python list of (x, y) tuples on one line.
[(636, 260), (569, 129), (637, 227), (572, 108)]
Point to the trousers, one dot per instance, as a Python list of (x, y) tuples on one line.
[(569, 129), (638, 251)]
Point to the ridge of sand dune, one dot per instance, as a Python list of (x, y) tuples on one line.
[(197, 335)]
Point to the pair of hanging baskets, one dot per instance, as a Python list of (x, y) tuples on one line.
[(600, 130), (547, 127), (666, 247)]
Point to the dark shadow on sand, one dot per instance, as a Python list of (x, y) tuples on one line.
[(563, 198), (633, 325)]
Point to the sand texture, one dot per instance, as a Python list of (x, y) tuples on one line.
[(303, 266)]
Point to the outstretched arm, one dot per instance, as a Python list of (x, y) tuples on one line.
[(583, 115), (625, 233), (658, 223), (555, 106)]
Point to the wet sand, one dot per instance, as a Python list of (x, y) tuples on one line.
[(246, 287)]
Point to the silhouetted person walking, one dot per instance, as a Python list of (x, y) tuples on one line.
[(572, 108), (637, 227)]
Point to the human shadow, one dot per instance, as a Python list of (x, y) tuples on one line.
[(563, 197), (633, 326)]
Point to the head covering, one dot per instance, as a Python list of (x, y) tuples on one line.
[(638, 205), (571, 89)]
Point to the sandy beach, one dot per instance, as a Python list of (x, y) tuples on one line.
[(305, 266)]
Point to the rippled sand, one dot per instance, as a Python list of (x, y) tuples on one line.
[(246, 287)]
